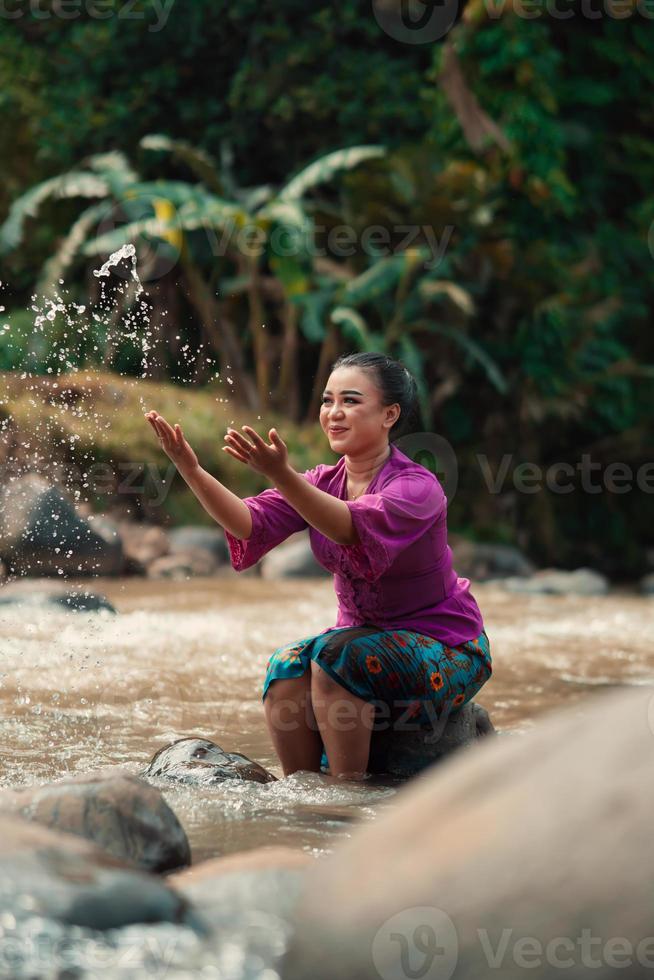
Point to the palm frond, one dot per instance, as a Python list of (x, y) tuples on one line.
[(71, 184), (326, 167)]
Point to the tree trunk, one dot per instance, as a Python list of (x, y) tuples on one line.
[(287, 395)]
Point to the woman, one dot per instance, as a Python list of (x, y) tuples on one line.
[(409, 641)]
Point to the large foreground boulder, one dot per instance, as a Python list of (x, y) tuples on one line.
[(56, 876), (123, 814), (42, 534), (526, 855)]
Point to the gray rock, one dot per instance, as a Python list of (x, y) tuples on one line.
[(200, 761), (647, 584), (555, 581), (194, 537), (121, 813), (42, 534), (59, 877), (405, 753), (45, 592), (142, 543), (182, 565), (518, 841), (292, 559), (480, 561)]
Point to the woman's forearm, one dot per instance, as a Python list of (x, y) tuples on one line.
[(327, 514), (219, 502)]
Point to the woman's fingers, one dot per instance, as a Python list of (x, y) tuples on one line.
[(236, 455), (239, 441), (255, 437)]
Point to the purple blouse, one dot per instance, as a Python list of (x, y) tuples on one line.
[(399, 575)]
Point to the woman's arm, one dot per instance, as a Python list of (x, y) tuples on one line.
[(321, 510), (219, 502), (327, 514)]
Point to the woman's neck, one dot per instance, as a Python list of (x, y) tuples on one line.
[(361, 469)]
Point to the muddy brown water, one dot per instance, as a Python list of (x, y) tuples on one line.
[(83, 692)]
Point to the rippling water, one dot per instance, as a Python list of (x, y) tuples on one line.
[(81, 692)]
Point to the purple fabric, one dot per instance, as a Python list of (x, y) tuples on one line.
[(399, 575)]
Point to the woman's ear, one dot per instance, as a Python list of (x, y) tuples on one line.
[(393, 413)]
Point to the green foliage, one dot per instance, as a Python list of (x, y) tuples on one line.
[(522, 302)]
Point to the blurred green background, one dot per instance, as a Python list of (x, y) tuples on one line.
[(299, 184)]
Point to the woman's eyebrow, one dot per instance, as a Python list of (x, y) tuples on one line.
[(346, 391)]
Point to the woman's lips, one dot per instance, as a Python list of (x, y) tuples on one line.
[(336, 431)]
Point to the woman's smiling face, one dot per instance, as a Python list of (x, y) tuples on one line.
[(352, 415)]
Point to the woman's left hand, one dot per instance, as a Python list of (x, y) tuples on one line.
[(271, 460)]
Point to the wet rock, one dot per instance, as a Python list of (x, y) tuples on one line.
[(182, 565), (481, 561), (200, 761), (197, 538), (42, 534), (543, 836), (554, 581), (45, 592), (59, 877), (647, 584), (405, 753), (142, 544), (122, 814), (292, 559)]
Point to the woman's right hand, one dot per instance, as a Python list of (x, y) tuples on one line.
[(173, 442)]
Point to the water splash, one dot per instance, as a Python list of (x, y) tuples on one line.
[(127, 251)]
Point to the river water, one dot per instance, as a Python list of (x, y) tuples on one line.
[(85, 692), (82, 692)]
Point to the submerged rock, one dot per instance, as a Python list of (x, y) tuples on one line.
[(505, 860), (56, 876), (198, 760), (405, 753), (122, 814), (45, 592), (42, 534), (194, 537)]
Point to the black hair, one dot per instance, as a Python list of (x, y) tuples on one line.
[(395, 383)]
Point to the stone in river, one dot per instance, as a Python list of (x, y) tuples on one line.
[(124, 815), (523, 856), (60, 877), (200, 761), (42, 534), (406, 753)]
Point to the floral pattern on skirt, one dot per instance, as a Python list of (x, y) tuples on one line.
[(412, 674)]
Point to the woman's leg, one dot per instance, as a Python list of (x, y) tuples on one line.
[(345, 722), (292, 724)]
